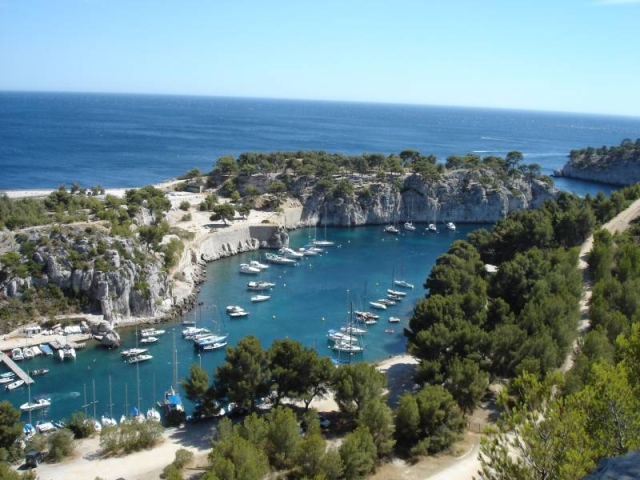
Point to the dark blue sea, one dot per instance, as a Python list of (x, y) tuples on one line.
[(48, 139)]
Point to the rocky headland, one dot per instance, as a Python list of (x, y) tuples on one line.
[(611, 165)]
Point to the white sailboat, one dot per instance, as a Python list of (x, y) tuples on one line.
[(325, 242)]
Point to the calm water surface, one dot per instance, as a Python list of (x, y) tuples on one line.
[(308, 300)]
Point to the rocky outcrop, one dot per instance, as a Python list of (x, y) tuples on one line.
[(111, 274), (622, 172), (461, 196), (619, 165)]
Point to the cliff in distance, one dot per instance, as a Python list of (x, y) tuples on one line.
[(613, 165), (461, 196)]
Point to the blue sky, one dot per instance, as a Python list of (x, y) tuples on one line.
[(562, 55)]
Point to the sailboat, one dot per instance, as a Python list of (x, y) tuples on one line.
[(214, 341), (325, 242), (349, 343), (152, 413), (408, 225), (172, 402), (391, 228), (108, 420), (432, 226)]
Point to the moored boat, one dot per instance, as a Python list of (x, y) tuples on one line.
[(451, 226), (209, 340), (14, 385), (257, 264), (7, 379), (149, 340), (140, 358), (432, 228), (394, 320), (348, 347), (260, 298), (378, 305), (280, 259), (215, 346), (337, 336), (260, 286), (403, 283), (151, 332), (132, 352), (290, 253), (248, 269), (397, 293), (16, 354), (39, 371), (409, 226), (353, 330), (391, 229)]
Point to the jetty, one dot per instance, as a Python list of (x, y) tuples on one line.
[(16, 369)]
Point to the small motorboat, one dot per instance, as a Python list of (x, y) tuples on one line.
[(257, 264), (149, 340), (260, 298), (16, 354), (259, 286), (360, 315), (14, 385), (403, 283), (9, 379), (44, 427), (397, 293), (353, 330), (239, 314), (389, 330), (234, 308), (248, 269), (215, 346), (451, 226), (409, 226), (348, 347), (28, 353), (140, 358), (37, 405), (132, 352), (432, 228), (378, 305), (151, 332), (391, 229), (386, 302), (290, 253), (280, 259), (394, 320), (39, 371)]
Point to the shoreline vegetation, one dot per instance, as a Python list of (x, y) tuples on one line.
[(495, 336)]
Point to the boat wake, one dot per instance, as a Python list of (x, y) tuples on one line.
[(62, 396)]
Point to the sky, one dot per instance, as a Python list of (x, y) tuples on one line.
[(554, 55)]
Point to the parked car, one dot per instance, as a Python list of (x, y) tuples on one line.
[(324, 422), (33, 458)]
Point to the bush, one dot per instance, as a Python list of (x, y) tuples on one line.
[(185, 205), (80, 425), (186, 218), (130, 437), (183, 457), (61, 445)]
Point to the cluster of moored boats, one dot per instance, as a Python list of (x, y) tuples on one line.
[(409, 226)]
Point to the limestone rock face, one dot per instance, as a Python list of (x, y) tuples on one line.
[(621, 172), (464, 196), (114, 285)]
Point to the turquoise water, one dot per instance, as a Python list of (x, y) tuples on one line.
[(308, 300)]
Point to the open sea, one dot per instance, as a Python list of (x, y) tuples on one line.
[(47, 139)]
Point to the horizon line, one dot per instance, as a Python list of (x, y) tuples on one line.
[(364, 102)]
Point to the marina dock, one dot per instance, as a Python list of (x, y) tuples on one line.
[(16, 369)]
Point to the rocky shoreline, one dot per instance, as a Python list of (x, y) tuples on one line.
[(472, 195)]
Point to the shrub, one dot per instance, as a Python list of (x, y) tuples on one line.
[(61, 445), (185, 205), (186, 217), (80, 425)]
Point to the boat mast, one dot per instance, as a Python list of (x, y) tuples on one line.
[(138, 383), (29, 390), (94, 398), (126, 398), (175, 360), (86, 405), (110, 400)]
